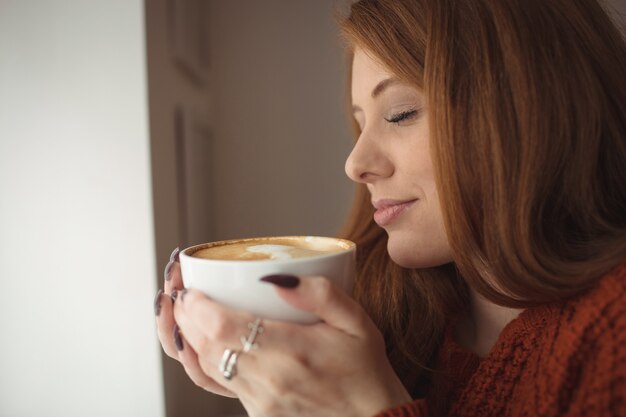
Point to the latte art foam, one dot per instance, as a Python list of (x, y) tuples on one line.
[(281, 251), (270, 249)]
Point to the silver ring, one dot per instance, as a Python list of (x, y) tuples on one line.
[(231, 366), (224, 361), (228, 364), (255, 329)]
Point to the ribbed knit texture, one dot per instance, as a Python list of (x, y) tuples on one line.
[(567, 359)]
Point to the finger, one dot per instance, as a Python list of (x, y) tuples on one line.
[(223, 327), (211, 328), (320, 297), (214, 321), (210, 352), (165, 323), (171, 274), (174, 280), (189, 359)]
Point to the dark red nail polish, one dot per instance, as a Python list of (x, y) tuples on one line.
[(178, 341), (157, 303), (174, 257), (283, 281), (174, 295), (168, 270), (182, 294)]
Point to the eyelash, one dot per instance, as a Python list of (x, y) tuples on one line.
[(402, 116)]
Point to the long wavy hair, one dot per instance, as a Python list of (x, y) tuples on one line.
[(527, 105)]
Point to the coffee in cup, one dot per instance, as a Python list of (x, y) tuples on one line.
[(270, 248), (229, 271)]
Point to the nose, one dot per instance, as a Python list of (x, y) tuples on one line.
[(367, 163)]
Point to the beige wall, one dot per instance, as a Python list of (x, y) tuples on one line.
[(281, 134)]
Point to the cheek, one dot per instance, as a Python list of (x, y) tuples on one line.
[(421, 241), (418, 251)]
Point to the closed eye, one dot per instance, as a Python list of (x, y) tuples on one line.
[(402, 116)]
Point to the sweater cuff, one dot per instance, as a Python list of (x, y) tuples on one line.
[(415, 409)]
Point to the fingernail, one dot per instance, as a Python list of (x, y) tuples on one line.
[(168, 270), (174, 295), (178, 341), (174, 257), (182, 294), (157, 303), (283, 281)]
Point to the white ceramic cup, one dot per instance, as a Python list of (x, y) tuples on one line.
[(235, 283)]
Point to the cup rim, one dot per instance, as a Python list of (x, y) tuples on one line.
[(189, 251)]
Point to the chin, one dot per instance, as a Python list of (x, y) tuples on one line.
[(411, 254)]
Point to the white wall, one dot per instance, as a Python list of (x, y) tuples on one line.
[(76, 235)]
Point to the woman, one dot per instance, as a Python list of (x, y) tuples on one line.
[(492, 275)]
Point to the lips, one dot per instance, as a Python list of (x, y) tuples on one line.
[(389, 210)]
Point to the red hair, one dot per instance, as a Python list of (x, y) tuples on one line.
[(528, 138)]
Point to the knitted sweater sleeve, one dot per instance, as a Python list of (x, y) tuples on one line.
[(415, 409)]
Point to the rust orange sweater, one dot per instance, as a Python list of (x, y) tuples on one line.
[(567, 359)]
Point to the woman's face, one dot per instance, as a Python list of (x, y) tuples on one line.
[(392, 158)]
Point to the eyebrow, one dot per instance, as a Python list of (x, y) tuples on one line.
[(378, 90), (382, 86)]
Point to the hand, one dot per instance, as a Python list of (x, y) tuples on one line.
[(337, 367), (169, 335)]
